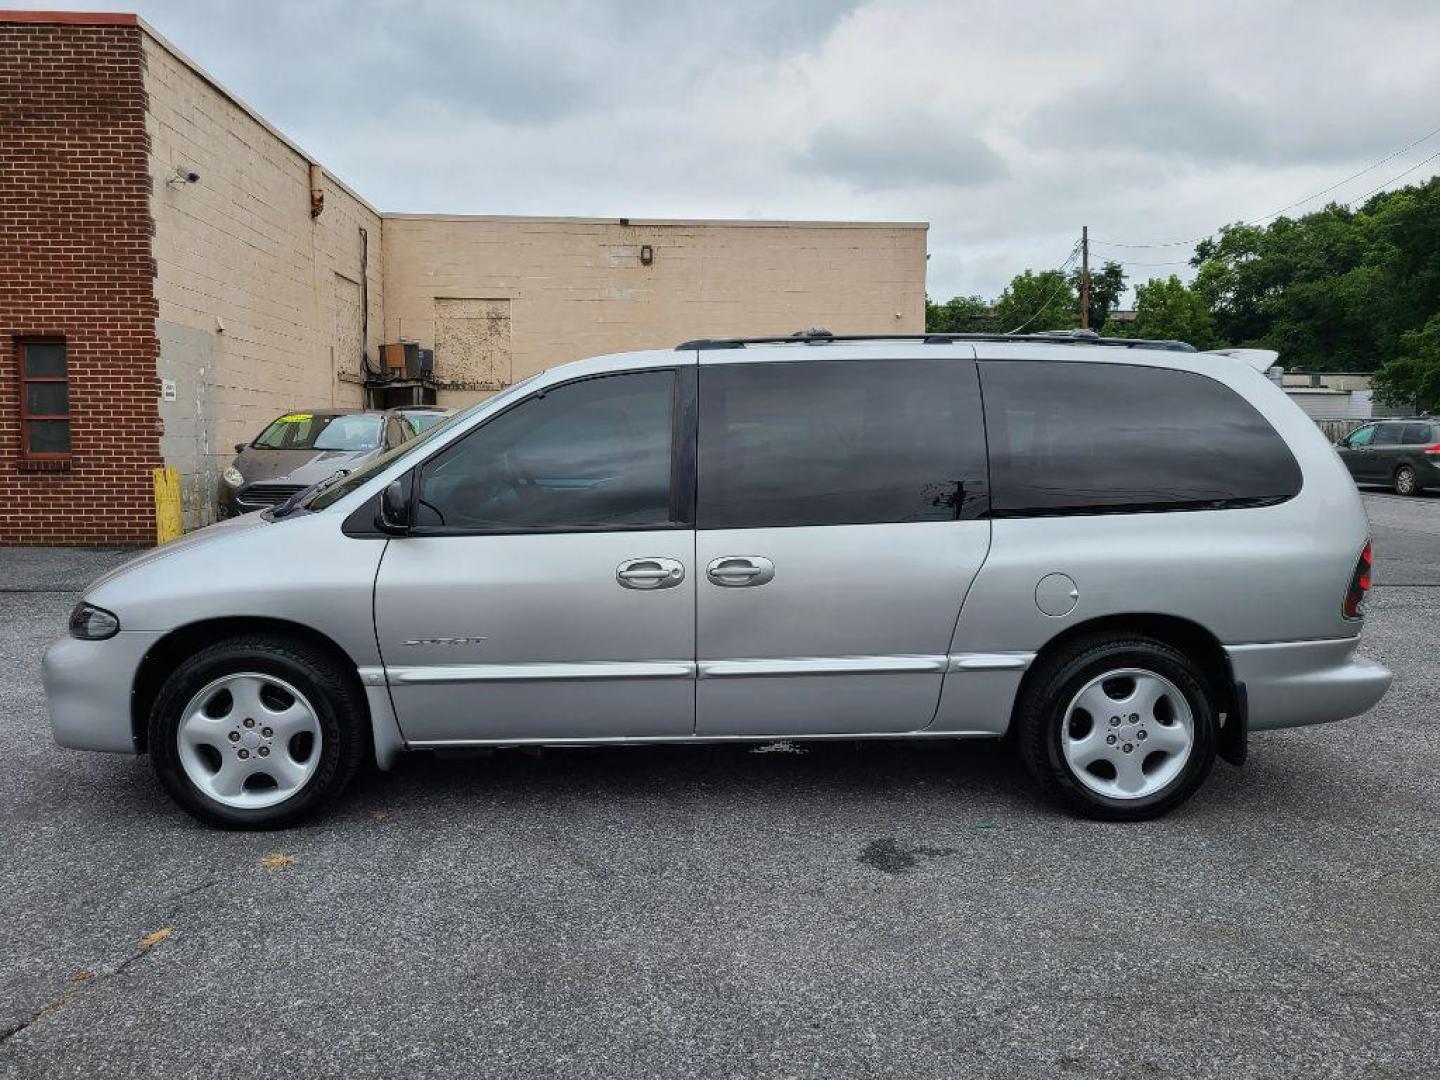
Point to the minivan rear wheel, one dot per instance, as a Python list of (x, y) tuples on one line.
[(1405, 481), (1118, 727), (257, 732)]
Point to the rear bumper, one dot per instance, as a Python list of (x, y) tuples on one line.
[(1292, 683), (1427, 471), (87, 688)]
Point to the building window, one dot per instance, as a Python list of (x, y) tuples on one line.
[(44, 400)]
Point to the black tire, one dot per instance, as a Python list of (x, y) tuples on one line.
[(1053, 683), (337, 700), (1405, 482)]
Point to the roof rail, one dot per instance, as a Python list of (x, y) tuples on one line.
[(1053, 337)]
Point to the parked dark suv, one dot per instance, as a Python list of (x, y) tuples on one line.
[(1404, 454)]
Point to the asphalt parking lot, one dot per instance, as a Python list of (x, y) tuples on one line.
[(881, 910)]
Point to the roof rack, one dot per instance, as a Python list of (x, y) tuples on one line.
[(824, 337)]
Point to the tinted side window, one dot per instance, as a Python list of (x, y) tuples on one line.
[(839, 442), (1361, 437), (1417, 434), (1388, 435), (594, 454), (1084, 437)]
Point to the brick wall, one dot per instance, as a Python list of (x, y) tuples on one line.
[(75, 263)]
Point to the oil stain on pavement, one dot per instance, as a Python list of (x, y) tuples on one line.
[(893, 857)]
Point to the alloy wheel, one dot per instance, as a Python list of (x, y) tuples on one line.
[(249, 740), (1127, 734)]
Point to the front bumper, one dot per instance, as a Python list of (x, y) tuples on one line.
[(88, 686), (1291, 683), (230, 504)]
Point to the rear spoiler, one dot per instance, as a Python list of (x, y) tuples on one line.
[(1259, 359)]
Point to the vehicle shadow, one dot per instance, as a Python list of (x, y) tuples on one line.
[(964, 779), (846, 772), (1430, 494)]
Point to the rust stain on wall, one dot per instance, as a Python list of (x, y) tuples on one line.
[(472, 343)]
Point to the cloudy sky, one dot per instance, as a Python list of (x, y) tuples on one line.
[(1006, 125)]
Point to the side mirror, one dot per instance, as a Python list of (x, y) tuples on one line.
[(395, 517), (241, 447)]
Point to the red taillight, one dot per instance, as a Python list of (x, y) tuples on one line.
[(1359, 586), (1433, 450)]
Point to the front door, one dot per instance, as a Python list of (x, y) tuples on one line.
[(1384, 453), (1355, 451), (547, 590), (839, 528)]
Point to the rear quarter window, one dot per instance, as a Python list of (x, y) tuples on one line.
[(1071, 437)]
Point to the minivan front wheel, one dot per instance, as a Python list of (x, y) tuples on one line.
[(256, 732), (1118, 727)]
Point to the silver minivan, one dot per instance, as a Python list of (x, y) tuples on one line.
[(1122, 556)]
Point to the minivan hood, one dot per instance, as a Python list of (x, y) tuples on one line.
[(297, 466), (208, 535)]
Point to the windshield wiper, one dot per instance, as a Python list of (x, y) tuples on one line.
[(290, 505)]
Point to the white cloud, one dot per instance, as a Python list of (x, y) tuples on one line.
[(1007, 125)]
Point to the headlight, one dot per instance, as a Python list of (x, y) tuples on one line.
[(90, 623), (233, 476)]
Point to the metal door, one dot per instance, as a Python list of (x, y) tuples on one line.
[(546, 591), (1354, 451), (839, 505), (1384, 454)]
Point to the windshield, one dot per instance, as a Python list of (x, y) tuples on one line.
[(307, 431), (337, 491)]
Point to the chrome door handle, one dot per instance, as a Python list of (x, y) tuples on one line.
[(737, 571), (649, 574)]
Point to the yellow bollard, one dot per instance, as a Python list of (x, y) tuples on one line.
[(168, 523)]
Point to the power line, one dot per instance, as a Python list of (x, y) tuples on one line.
[(1168, 262), (1300, 202), (1064, 281), (1398, 176), (1355, 176)]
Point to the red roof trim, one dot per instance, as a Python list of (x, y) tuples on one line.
[(71, 18)]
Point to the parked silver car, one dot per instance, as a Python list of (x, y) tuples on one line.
[(1122, 555), (304, 447)]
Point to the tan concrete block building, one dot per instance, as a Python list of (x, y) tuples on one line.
[(275, 285), (500, 298)]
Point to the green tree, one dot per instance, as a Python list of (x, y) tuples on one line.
[(1168, 309), (1413, 376), (960, 315), (1107, 286), (1032, 302), (1337, 289)]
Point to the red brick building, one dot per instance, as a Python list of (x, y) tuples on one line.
[(79, 430)]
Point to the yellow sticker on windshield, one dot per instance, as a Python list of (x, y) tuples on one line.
[(295, 418)]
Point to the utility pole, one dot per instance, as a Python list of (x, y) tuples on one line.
[(1084, 277)]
